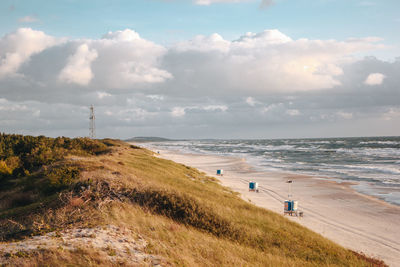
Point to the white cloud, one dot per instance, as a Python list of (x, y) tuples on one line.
[(126, 35), (251, 101), (202, 43), (269, 61), (16, 48), (133, 114), (392, 113), (28, 19), (78, 69), (141, 87), (126, 59), (375, 79), (178, 112), (119, 60), (345, 115), (127, 114), (222, 108), (292, 112), (17, 114), (254, 63), (272, 107), (262, 39), (181, 111), (102, 95), (11, 107), (156, 97)]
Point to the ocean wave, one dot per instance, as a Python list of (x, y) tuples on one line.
[(373, 160), (380, 142), (381, 152), (381, 169)]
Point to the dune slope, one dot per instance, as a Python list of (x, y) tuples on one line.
[(112, 203)]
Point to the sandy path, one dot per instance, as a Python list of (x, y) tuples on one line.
[(334, 210), (117, 244)]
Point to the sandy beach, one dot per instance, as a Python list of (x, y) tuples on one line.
[(334, 210)]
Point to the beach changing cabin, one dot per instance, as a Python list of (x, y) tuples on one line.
[(290, 207), (220, 172), (253, 186)]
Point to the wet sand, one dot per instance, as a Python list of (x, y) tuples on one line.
[(334, 210)]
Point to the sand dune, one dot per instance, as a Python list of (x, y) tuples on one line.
[(334, 210), (112, 242)]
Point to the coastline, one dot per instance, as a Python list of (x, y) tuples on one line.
[(334, 210)]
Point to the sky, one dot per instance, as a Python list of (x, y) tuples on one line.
[(200, 68)]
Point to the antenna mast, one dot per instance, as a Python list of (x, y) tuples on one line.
[(290, 188), (92, 125)]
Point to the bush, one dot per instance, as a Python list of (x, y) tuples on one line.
[(4, 169), (21, 156), (90, 146), (60, 178)]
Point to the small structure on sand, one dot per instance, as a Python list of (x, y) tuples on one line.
[(291, 206), (220, 172), (253, 186)]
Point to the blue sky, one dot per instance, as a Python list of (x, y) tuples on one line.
[(168, 21), (191, 69)]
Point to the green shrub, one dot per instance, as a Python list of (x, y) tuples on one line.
[(90, 146), (60, 178), (4, 169), (21, 156)]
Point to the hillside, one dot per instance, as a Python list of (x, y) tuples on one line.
[(89, 202)]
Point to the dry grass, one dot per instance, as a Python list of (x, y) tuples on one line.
[(85, 257), (186, 217)]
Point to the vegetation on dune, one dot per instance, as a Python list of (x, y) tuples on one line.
[(35, 168), (20, 155), (186, 217)]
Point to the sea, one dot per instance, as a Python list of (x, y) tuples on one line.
[(372, 163)]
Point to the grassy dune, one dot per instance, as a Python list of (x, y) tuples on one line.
[(187, 218)]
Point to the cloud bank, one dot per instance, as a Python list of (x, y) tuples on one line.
[(17, 48), (139, 87)]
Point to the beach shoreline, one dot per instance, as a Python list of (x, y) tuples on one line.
[(335, 210)]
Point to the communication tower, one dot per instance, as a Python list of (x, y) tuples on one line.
[(92, 125)]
